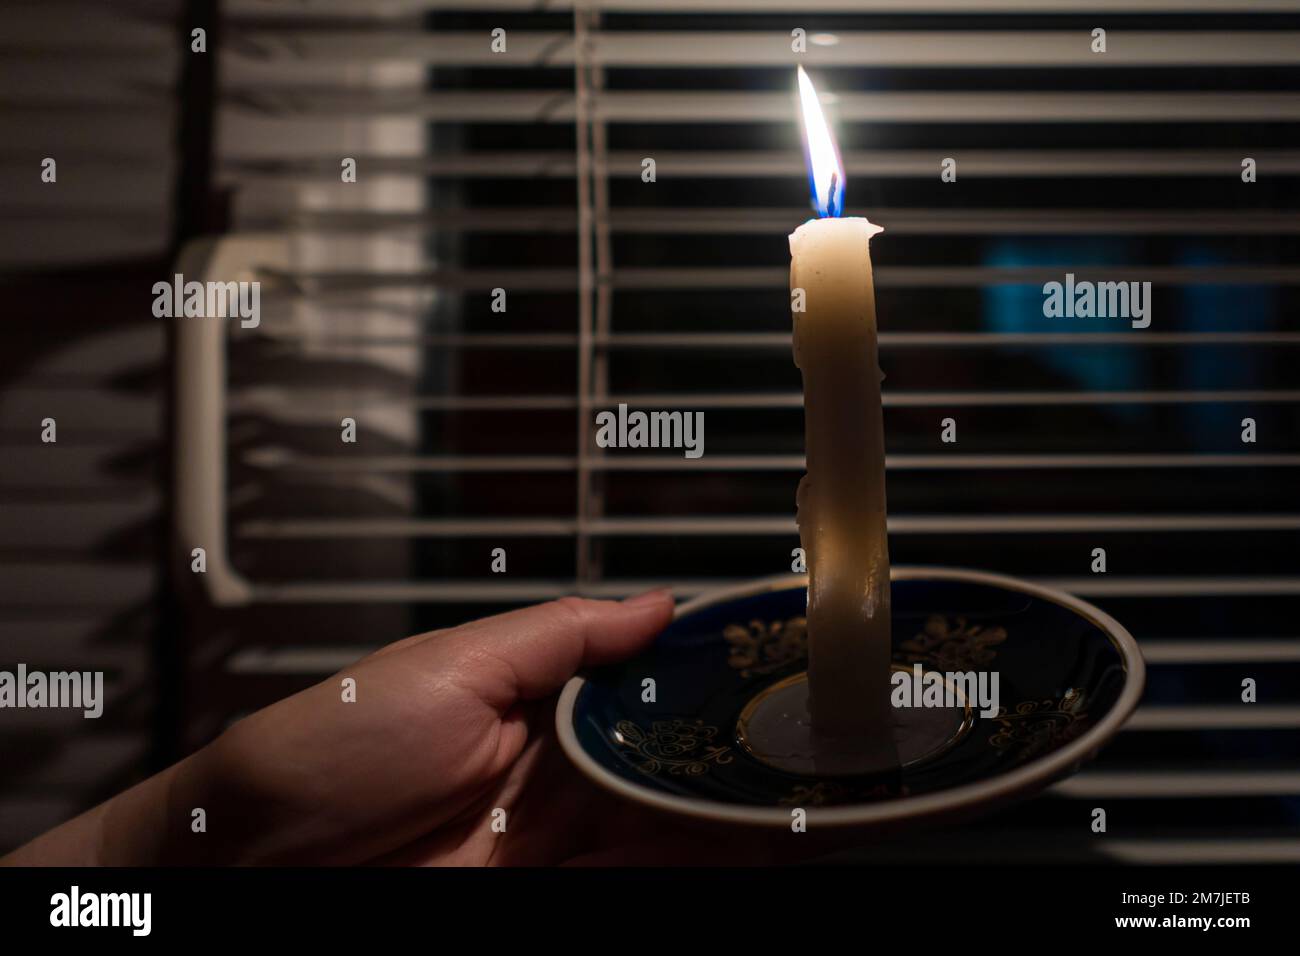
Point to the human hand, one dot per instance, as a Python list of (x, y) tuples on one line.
[(446, 728)]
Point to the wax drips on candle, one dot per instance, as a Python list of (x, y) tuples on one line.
[(841, 499)]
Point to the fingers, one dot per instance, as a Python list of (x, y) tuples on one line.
[(530, 653)]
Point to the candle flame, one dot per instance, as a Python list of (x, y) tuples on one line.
[(825, 171)]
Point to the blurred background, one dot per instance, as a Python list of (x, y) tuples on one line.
[(522, 170)]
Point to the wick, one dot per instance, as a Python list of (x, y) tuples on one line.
[(830, 195)]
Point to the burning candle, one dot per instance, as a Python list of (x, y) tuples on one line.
[(841, 498)]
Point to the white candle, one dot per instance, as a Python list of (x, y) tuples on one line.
[(841, 499)]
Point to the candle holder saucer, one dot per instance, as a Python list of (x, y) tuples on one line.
[(1069, 675)]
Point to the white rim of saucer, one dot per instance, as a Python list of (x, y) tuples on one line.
[(1032, 775)]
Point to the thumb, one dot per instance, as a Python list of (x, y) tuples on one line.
[(530, 653)]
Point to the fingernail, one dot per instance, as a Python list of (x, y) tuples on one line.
[(653, 596)]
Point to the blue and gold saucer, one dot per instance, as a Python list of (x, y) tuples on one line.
[(1068, 676)]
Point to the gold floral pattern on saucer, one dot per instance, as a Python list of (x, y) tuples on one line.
[(1070, 676), (763, 647), (946, 643), (818, 795), (827, 794), (678, 746), (951, 643), (1038, 725)]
